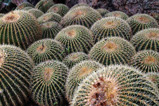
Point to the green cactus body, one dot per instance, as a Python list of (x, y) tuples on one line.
[(15, 73), (79, 4), (79, 72), (60, 9), (19, 28), (1, 15), (46, 49), (82, 15), (146, 61), (112, 50), (109, 27), (50, 29), (44, 5), (27, 8), (118, 14), (74, 58), (23, 5), (116, 86), (75, 38), (51, 16), (35, 12), (154, 77), (139, 22), (147, 39), (102, 11), (48, 83)]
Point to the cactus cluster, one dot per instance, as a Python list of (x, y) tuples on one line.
[(147, 39), (23, 5), (74, 58), (112, 50), (60, 9), (48, 82), (82, 15), (102, 11), (46, 49), (50, 29), (19, 28), (116, 86), (118, 14), (77, 74), (51, 16), (44, 5), (146, 61), (111, 26), (139, 22), (35, 12), (15, 73), (75, 38)]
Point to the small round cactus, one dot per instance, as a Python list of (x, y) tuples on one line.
[(116, 86), (154, 77), (44, 5), (50, 29), (51, 16), (146, 61), (79, 72), (27, 8), (111, 26), (60, 9), (102, 11), (48, 83), (82, 15), (112, 50), (35, 12), (147, 39), (15, 73), (75, 38), (19, 28), (46, 49), (118, 14), (23, 5), (74, 58), (139, 22)]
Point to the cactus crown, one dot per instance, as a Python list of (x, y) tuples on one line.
[(71, 33), (41, 48), (153, 35), (110, 46), (48, 24), (149, 60), (142, 19), (11, 17), (111, 24), (2, 57)]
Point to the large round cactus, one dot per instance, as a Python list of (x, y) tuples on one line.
[(77, 74), (44, 5), (80, 4), (116, 86), (23, 5), (19, 28), (154, 77), (51, 16), (46, 49), (141, 21), (60, 9), (35, 12), (102, 11), (50, 29), (111, 26), (147, 39), (74, 58), (15, 73), (48, 83), (82, 15), (76, 38), (118, 14), (112, 50), (146, 61)]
